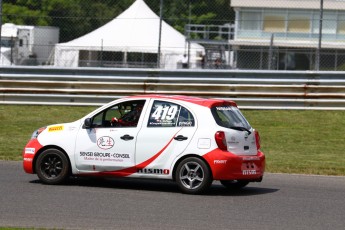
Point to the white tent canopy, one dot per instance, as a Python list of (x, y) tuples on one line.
[(135, 30)]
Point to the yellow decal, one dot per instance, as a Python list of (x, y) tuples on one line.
[(55, 128)]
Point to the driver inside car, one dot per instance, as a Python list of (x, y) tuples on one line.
[(129, 119)]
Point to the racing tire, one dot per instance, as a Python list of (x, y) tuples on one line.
[(52, 167), (193, 176), (234, 184)]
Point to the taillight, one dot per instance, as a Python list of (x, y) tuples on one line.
[(257, 139), (220, 140)]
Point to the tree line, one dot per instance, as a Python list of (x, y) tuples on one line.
[(78, 17)]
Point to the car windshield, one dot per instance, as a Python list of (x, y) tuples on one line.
[(230, 117)]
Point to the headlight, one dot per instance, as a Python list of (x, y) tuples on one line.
[(37, 132)]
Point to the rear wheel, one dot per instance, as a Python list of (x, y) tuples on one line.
[(52, 167), (234, 184), (193, 176)]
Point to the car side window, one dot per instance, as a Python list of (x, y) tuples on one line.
[(125, 114), (168, 114), (185, 118)]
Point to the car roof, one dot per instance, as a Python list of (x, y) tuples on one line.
[(207, 102)]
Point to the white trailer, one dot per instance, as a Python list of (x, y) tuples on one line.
[(27, 45)]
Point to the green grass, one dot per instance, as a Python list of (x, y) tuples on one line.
[(308, 142), (19, 228), (18, 123)]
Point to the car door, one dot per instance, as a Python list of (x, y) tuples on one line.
[(167, 130), (109, 143)]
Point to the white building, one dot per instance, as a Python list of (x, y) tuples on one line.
[(285, 34)]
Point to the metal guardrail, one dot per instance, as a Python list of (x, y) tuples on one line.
[(250, 89)]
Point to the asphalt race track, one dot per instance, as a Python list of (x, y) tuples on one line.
[(281, 201)]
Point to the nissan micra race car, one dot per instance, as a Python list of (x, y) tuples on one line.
[(190, 140)]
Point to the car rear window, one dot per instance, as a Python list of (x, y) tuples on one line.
[(229, 116)]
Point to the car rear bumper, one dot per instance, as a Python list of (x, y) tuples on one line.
[(228, 166)]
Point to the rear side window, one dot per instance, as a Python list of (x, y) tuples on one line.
[(168, 114), (229, 117)]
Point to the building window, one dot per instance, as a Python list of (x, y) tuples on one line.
[(274, 23), (329, 23), (299, 23), (250, 21), (341, 24)]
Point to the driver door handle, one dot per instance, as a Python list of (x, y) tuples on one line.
[(127, 137), (180, 138)]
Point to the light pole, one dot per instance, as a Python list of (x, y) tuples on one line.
[(189, 22), (317, 57), (160, 35), (0, 25)]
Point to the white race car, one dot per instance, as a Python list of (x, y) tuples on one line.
[(190, 140)]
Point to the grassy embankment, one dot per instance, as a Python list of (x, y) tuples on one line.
[(308, 142)]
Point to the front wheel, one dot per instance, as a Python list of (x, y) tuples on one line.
[(234, 184), (52, 167), (193, 176)]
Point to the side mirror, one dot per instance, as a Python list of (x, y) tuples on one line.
[(87, 123)]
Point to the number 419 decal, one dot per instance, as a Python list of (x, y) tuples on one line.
[(165, 113)]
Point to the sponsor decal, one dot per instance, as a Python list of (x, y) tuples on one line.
[(27, 159), (104, 156), (223, 108), (29, 150), (105, 142), (251, 158), (185, 123), (55, 128), (219, 162), (153, 171), (134, 169)]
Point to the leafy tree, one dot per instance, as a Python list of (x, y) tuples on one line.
[(73, 17), (28, 16), (180, 12), (67, 16), (78, 17)]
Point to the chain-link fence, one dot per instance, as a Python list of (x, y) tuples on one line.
[(212, 34)]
